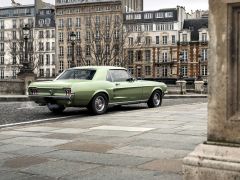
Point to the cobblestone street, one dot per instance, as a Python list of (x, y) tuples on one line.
[(138, 144)]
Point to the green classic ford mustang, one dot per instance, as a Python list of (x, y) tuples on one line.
[(97, 88)]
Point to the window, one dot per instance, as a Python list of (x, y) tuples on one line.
[(41, 59), (1, 73), (78, 35), (41, 22), (130, 57), (61, 66), (14, 35), (185, 55), (78, 50), (157, 39), (2, 47), (47, 34), (168, 14), (130, 41), (164, 71), (78, 22), (61, 52), (119, 75), (53, 59), (2, 36), (14, 23), (148, 40), (60, 36), (129, 16), (86, 74), (107, 20), (131, 70), (53, 46), (47, 72), (116, 19), (137, 16), (14, 46), (69, 50), (184, 36), (41, 46), (2, 59), (165, 40), (47, 59), (88, 50), (48, 21), (60, 23), (69, 22), (148, 55), (148, 27), (164, 56), (147, 70), (159, 15), (204, 71), (184, 71), (53, 33), (204, 54), (88, 37), (41, 74), (1, 24), (173, 39), (148, 16), (88, 21), (97, 20), (40, 34), (53, 72), (204, 37), (14, 73), (139, 55), (47, 46)]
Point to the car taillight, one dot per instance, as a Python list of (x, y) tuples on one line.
[(68, 92), (34, 91)]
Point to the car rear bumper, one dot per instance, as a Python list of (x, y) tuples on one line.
[(51, 99)]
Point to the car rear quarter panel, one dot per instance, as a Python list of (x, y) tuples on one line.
[(85, 91)]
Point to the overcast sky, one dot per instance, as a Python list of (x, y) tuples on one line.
[(148, 4)]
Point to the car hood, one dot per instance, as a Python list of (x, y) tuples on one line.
[(56, 83)]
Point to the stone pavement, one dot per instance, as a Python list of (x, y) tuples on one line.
[(145, 144)]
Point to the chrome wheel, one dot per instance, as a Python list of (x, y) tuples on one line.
[(100, 103), (156, 99)]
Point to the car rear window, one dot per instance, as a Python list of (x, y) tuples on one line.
[(86, 74)]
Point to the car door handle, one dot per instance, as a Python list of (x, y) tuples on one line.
[(117, 84)]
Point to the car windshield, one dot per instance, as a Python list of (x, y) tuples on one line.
[(86, 74)]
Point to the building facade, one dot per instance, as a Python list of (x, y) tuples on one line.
[(152, 45), (193, 49), (45, 42), (96, 25), (12, 20)]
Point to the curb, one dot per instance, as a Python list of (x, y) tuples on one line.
[(25, 98)]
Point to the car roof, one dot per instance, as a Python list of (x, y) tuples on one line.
[(98, 67)]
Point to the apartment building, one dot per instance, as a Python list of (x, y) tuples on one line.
[(12, 20), (45, 42), (152, 44)]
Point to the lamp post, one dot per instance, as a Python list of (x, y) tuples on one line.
[(199, 78), (26, 66), (73, 39)]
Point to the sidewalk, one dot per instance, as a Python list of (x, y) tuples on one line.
[(145, 144), (17, 98)]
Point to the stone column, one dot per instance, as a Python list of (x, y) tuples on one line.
[(27, 78), (219, 157), (199, 86), (182, 85)]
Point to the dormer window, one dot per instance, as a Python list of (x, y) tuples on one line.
[(47, 21), (148, 16), (169, 14), (204, 37), (42, 12), (41, 22)]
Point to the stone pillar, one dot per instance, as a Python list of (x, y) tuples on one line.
[(219, 157), (199, 86), (182, 86), (27, 78)]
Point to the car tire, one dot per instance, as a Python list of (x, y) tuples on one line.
[(155, 100), (98, 104), (55, 108)]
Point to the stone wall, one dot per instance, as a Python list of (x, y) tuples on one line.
[(11, 87)]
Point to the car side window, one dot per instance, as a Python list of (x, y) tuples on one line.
[(119, 75), (109, 78)]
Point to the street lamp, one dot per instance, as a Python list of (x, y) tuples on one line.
[(26, 66), (199, 78), (73, 39)]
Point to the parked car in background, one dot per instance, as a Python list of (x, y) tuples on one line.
[(97, 88)]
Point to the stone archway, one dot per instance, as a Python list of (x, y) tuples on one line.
[(219, 157)]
